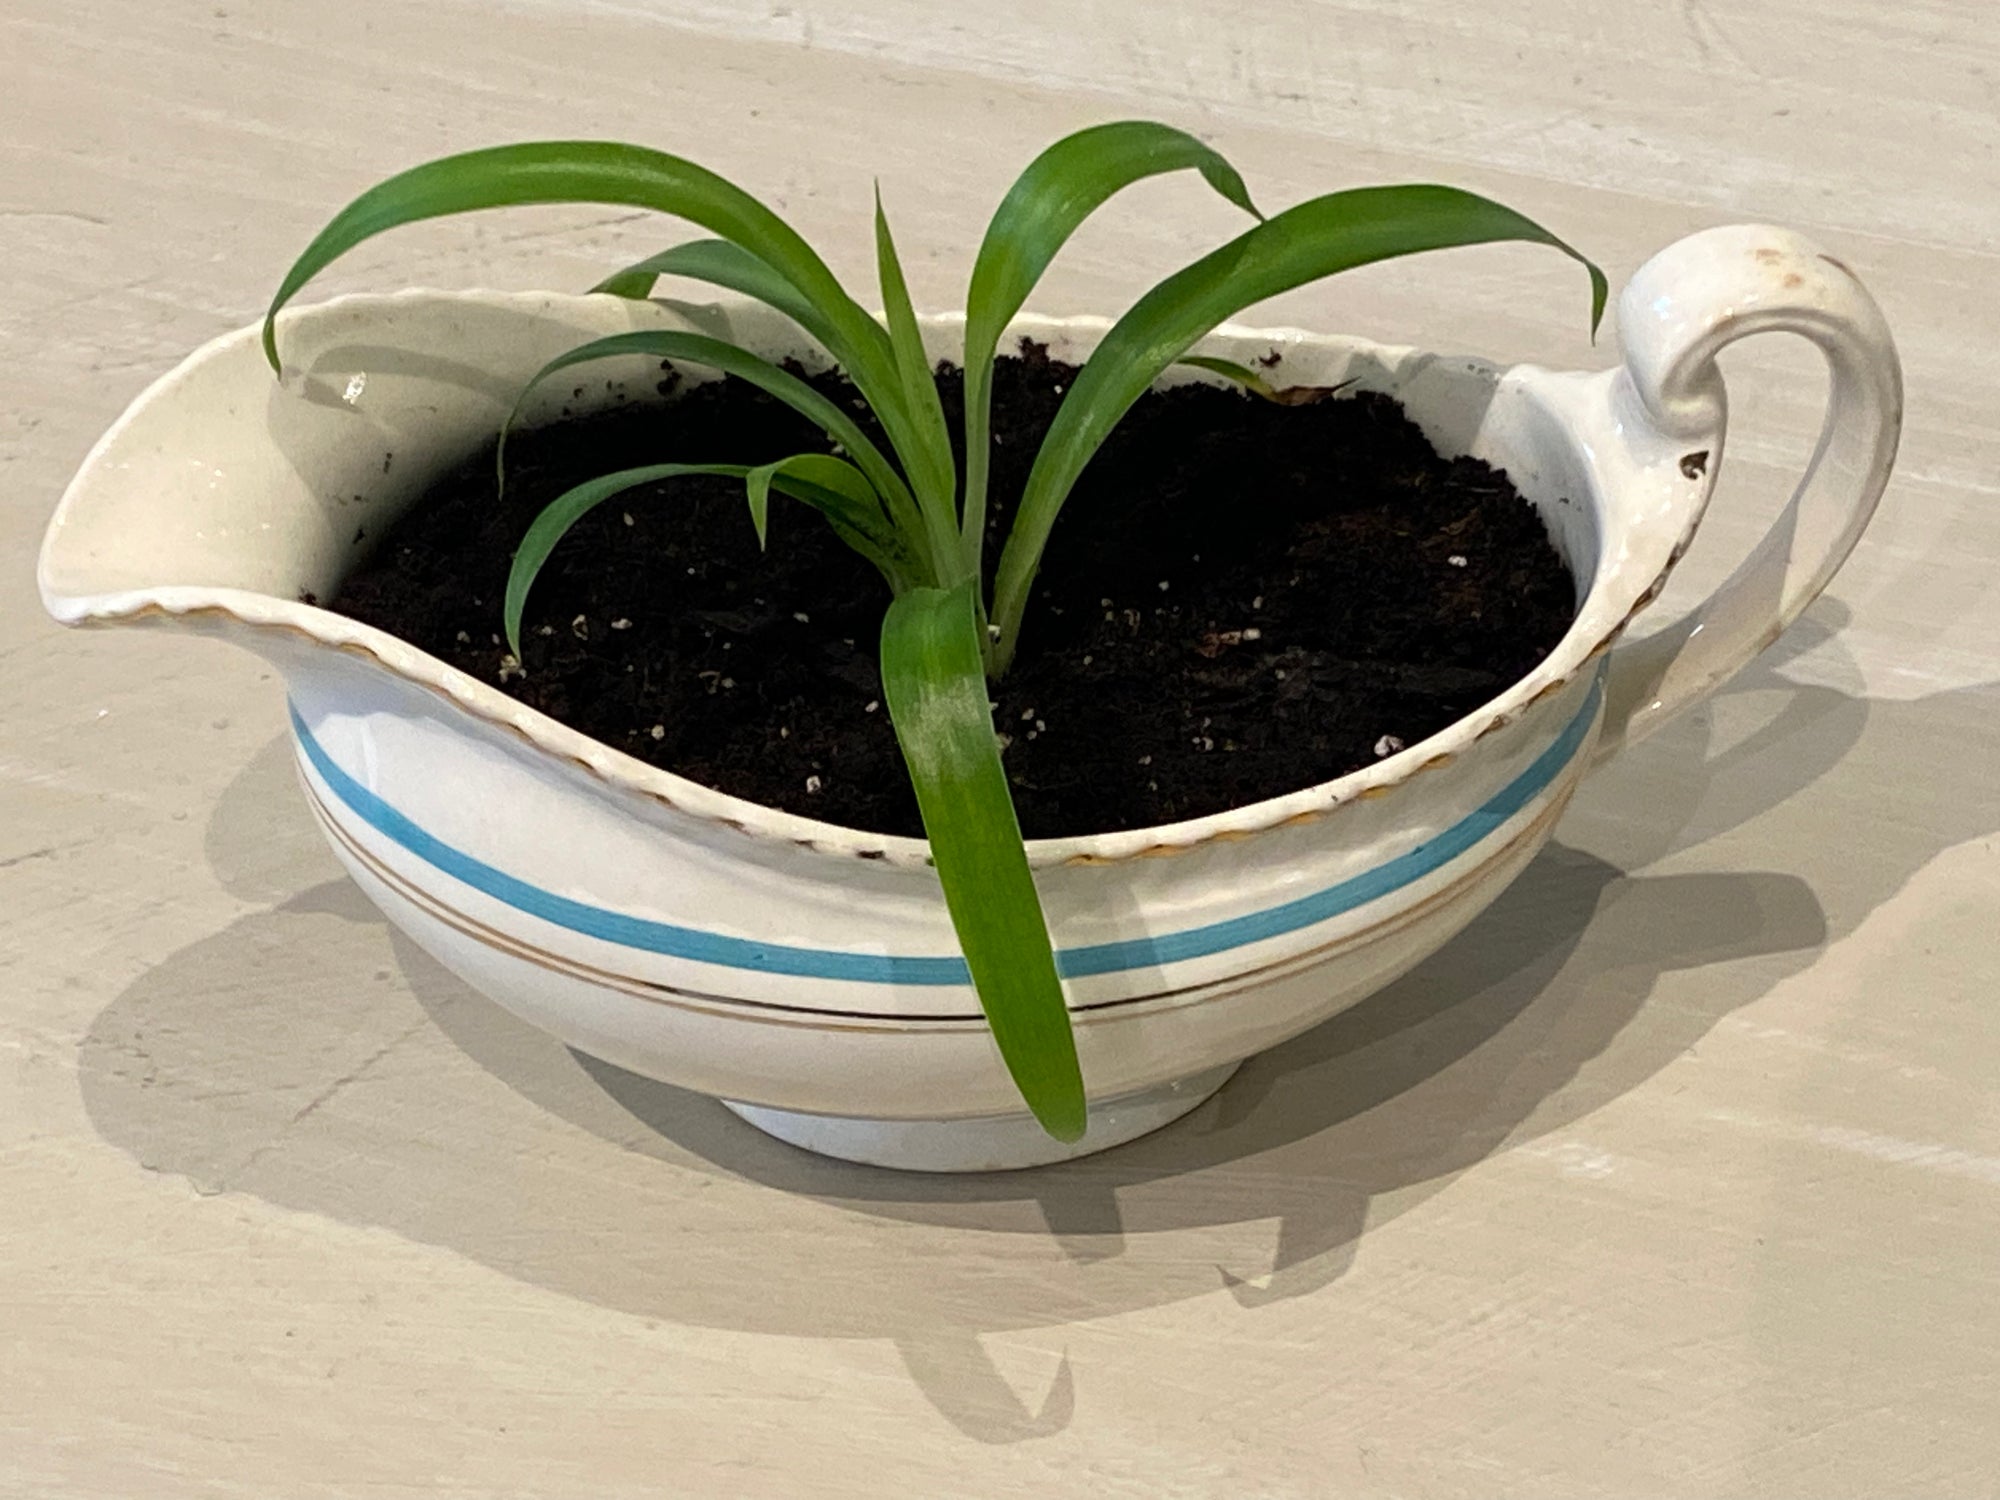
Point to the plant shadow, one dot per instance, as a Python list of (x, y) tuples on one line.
[(311, 1056)]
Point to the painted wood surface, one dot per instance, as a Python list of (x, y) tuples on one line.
[(1678, 1173)]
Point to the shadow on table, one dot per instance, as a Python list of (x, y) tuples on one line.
[(284, 1057)]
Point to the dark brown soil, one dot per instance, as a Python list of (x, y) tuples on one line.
[(1240, 599)]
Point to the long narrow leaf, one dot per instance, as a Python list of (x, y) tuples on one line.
[(612, 172), (934, 476), (800, 477), (1258, 386), (847, 502), (935, 683), (556, 519), (839, 491), (1316, 239), (731, 267), (698, 348), (1061, 188), (1229, 369)]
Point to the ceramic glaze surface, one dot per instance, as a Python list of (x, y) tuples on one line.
[(804, 971)]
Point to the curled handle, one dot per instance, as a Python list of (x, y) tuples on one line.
[(1682, 308)]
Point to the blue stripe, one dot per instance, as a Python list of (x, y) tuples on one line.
[(1072, 963)]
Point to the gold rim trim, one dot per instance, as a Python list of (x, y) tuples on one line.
[(1495, 721)]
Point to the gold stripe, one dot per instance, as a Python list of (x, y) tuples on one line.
[(779, 1014)]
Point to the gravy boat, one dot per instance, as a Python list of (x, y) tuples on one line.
[(806, 974)]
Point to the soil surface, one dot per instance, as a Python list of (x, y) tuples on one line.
[(1239, 600)]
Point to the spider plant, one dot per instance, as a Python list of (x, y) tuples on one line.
[(906, 508)]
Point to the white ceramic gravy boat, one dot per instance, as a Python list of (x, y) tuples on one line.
[(808, 974)]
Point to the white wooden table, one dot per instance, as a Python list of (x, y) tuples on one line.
[(1678, 1174)]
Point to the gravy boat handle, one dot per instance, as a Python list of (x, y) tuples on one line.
[(1681, 309)]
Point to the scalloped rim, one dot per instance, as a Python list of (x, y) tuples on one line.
[(265, 612)]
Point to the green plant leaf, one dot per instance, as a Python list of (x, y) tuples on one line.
[(853, 509), (556, 519), (1258, 386), (805, 477), (1061, 188), (1317, 238), (612, 172), (934, 475), (698, 348), (835, 487), (1243, 375), (731, 267), (935, 684)]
